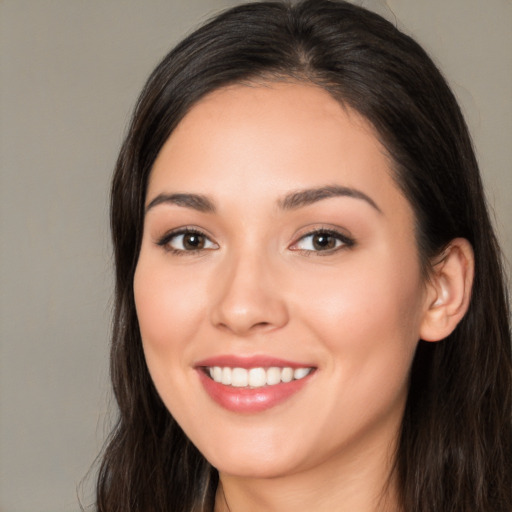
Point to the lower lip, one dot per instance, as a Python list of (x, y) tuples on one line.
[(250, 400)]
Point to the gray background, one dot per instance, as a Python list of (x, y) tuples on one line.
[(70, 73)]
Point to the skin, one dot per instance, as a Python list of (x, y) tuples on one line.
[(259, 287)]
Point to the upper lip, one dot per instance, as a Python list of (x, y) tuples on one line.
[(256, 361)]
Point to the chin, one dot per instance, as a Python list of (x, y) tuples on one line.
[(240, 468), (250, 460)]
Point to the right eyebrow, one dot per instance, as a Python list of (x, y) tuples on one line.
[(195, 201)]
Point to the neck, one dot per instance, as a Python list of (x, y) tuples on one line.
[(364, 482)]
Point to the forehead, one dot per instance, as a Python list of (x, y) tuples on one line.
[(268, 139)]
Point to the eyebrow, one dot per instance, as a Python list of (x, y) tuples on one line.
[(309, 196), (195, 201), (291, 201)]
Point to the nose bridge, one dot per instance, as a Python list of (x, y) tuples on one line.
[(248, 298)]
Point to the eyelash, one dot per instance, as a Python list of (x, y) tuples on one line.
[(344, 242)]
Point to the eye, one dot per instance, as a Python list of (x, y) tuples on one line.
[(187, 240), (322, 241)]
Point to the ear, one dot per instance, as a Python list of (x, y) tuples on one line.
[(448, 290)]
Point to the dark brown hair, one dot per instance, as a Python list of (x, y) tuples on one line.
[(455, 449)]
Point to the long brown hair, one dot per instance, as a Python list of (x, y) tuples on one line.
[(455, 449)]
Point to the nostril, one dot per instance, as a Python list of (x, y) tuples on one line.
[(261, 325), (247, 328)]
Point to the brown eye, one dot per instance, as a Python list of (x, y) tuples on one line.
[(323, 241), (187, 241), (193, 241)]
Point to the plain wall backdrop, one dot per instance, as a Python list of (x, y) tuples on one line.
[(70, 72)]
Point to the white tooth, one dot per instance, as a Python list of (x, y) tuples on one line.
[(286, 374), (210, 371), (226, 376), (239, 377), (273, 376), (217, 373), (257, 377), (300, 373)]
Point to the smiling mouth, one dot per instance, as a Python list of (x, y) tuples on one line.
[(255, 377)]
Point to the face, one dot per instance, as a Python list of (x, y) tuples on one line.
[(278, 287)]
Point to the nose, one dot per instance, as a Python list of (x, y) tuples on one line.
[(248, 297)]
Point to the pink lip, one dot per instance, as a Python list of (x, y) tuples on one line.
[(249, 362), (249, 400)]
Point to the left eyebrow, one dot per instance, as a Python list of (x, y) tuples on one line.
[(306, 197)]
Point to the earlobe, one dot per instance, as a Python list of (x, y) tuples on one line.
[(448, 291)]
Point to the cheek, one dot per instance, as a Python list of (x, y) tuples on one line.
[(368, 323), (367, 312), (169, 308), (167, 303)]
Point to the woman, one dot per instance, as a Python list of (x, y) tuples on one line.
[(310, 306)]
